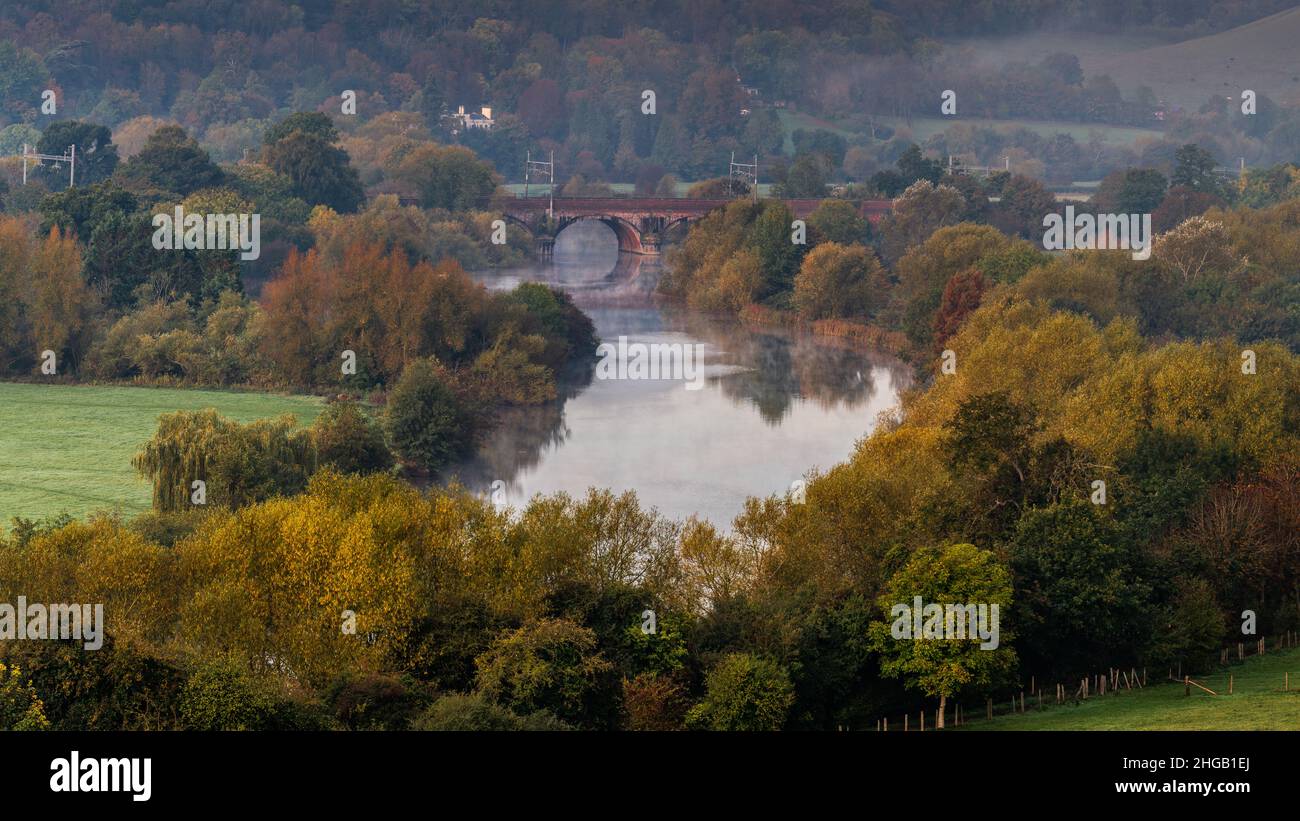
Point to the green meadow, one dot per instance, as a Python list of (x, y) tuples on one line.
[(1258, 702), (68, 448)]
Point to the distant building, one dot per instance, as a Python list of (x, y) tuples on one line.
[(474, 119)]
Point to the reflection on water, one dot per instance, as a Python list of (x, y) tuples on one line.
[(774, 405)]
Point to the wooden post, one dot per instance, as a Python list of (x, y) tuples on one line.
[(1187, 685), (1229, 683), (905, 718), (1022, 701), (1144, 676), (886, 725), (1032, 683), (923, 720)]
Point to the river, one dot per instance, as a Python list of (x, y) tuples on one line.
[(774, 404)]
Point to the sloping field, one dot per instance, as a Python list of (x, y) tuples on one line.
[(1262, 56), (68, 449), (1257, 703), (925, 127)]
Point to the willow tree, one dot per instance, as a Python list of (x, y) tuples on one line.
[(237, 464)]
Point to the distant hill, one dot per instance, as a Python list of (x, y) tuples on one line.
[(1261, 56)]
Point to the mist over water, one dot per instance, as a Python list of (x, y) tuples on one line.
[(774, 404)]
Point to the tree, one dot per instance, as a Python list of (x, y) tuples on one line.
[(425, 422), (1134, 191), (769, 237), (806, 178), (60, 308), (1024, 203), (913, 166), (171, 161), (1194, 169), (238, 464), (96, 154), (302, 148), (827, 144), (20, 707), (940, 663), (349, 441), (450, 177), (1195, 249), (746, 694), (553, 665), (838, 221), (961, 296), (922, 209), (1182, 203), (838, 281), (1083, 599)]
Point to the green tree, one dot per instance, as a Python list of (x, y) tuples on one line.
[(1194, 168), (450, 177), (348, 440), (552, 665), (807, 177), (239, 464), (838, 221), (779, 257), (425, 421), (171, 161), (302, 148), (941, 664), (96, 154), (1083, 600), (744, 693)]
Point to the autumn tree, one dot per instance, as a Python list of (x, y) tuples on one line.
[(838, 281)]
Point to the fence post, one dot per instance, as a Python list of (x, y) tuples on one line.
[(1229, 683), (1187, 685)]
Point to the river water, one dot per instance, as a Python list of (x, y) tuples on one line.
[(774, 404)]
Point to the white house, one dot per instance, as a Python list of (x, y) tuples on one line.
[(474, 119)]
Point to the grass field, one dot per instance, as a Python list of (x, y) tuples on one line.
[(67, 448), (925, 127), (1257, 703)]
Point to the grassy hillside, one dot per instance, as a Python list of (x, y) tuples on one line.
[(1259, 56), (68, 448), (925, 127), (1257, 703)]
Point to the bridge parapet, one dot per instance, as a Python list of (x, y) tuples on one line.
[(641, 222)]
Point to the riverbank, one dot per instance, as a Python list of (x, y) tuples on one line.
[(870, 337)]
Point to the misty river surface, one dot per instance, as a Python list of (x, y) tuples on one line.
[(774, 403)]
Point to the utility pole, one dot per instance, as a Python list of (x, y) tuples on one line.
[(743, 171), (543, 168), (70, 158)]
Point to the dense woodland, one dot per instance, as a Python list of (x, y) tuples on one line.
[(317, 588)]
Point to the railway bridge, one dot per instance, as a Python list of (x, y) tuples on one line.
[(640, 223)]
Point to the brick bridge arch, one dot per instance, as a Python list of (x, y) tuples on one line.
[(639, 223)]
